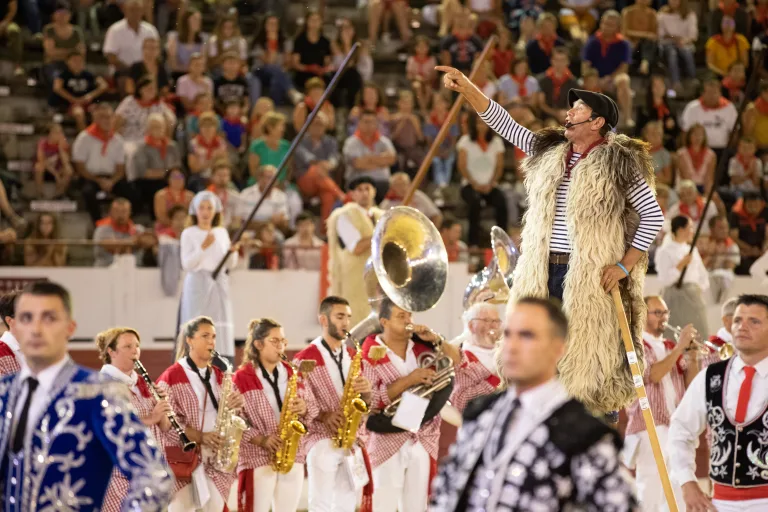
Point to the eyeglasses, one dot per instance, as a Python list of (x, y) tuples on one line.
[(277, 342), (659, 312), (488, 320)]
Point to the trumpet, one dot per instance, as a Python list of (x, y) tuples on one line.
[(186, 444), (704, 347)]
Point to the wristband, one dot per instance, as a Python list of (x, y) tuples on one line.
[(622, 267)]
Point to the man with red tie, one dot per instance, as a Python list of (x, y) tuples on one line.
[(731, 397)]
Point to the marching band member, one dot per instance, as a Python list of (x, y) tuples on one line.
[(118, 349), (193, 385), (330, 488), (263, 380), (76, 423), (482, 326), (394, 456), (9, 346), (669, 369), (532, 447), (723, 336), (731, 397)]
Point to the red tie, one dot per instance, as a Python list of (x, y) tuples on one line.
[(744, 392)]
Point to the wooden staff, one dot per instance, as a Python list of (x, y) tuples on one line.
[(446, 126), (296, 140), (637, 377)]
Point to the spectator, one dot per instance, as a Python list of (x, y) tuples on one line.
[(116, 234), (316, 158), (729, 9), (450, 231), (226, 38), (725, 48), (53, 159), (75, 88), (371, 98), (640, 25), (222, 186), (133, 112), (485, 80), (60, 38), (733, 83), (233, 127), (656, 108), (481, 163), (169, 250), (407, 135), (503, 53), (420, 71), (399, 184), (579, 18), (678, 32), (691, 205), (270, 148), (695, 160), (461, 47), (749, 228), (745, 169), (203, 105), (185, 43), (195, 82), (99, 157), (716, 114), (267, 249), (311, 50), (369, 153), (302, 250), (204, 149), (172, 196), (274, 209), (124, 41), (271, 58), (11, 33), (527, 34), (653, 133), (156, 153), (518, 12), (149, 66), (720, 255), (230, 85), (591, 81), (49, 255), (759, 16), (445, 157), (755, 121), (552, 95), (759, 269), (261, 108), (360, 69), (539, 50), (314, 89), (518, 85), (379, 12), (609, 54)]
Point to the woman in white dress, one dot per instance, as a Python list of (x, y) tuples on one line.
[(203, 244)]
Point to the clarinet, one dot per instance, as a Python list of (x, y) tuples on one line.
[(187, 445)]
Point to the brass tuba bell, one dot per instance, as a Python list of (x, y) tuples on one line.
[(493, 283)]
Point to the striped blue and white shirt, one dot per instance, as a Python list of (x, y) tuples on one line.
[(641, 196)]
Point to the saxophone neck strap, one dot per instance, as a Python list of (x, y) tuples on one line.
[(273, 383), (338, 360), (206, 382)]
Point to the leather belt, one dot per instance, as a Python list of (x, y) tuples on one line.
[(559, 258)]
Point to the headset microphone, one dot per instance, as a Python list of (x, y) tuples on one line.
[(571, 125)]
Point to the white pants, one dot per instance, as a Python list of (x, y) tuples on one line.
[(330, 489), (760, 505), (184, 500), (281, 492), (402, 482), (649, 489)]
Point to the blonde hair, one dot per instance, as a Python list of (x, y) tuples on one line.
[(188, 330), (258, 328), (271, 119), (107, 340)]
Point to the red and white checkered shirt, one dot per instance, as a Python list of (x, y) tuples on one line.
[(8, 362), (263, 418), (713, 356), (655, 390), (475, 379), (186, 405)]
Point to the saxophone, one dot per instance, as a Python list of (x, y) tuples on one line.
[(290, 428), (228, 425), (352, 406)]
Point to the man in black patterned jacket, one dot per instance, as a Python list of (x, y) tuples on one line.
[(531, 447)]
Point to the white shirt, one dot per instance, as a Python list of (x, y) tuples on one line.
[(88, 150), (209, 420), (404, 366), (127, 44), (724, 335), (330, 363), (194, 257), (282, 385), (690, 418), (674, 211), (481, 165), (9, 339), (759, 269), (276, 203), (660, 351), (484, 355), (669, 255), (348, 232), (717, 122), (117, 374), (298, 255), (46, 379)]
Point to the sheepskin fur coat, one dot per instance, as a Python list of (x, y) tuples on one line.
[(601, 224)]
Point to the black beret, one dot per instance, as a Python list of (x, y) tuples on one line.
[(356, 182), (601, 105)]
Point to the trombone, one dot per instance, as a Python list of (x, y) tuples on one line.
[(704, 347)]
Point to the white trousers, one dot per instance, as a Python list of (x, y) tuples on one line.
[(649, 490), (402, 482), (184, 500), (760, 505), (330, 489), (281, 492)]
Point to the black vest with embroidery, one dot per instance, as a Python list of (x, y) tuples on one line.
[(739, 451)]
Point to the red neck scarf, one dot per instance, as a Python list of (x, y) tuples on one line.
[(502, 61), (761, 14), (174, 200), (522, 90), (728, 11), (606, 43), (310, 103), (97, 133), (421, 59), (209, 146), (370, 142), (745, 216), (697, 157), (272, 45), (160, 144), (126, 229), (686, 210), (662, 110), (221, 193), (558, 81), (746, 163), (762, 106), (437, 119), (393, 196), (568, 157), (725, 44), (722, 102), (482, 143), (546, 43)]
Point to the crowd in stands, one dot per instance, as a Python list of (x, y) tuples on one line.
[(190, 100)]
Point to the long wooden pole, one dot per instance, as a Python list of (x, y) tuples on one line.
[(637, 377), (446, 126)]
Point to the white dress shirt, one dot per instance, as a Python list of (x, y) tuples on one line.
[(46, 379), (331, 364), (199, 388), (690, 418), (660, 351), (669, 255), (127, 44), (282, 385), (129, 380), (484, 355), (759, 269), (9, 339), (404, 366), (724, 335)]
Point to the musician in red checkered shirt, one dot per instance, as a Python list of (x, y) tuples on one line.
[(263, 380), (723, 336), (9, 347), (403, 463), (193, 386), (669, 369), (330, 487)]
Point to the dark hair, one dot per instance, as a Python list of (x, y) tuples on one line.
[(562, 50), (182, 26), (554, 313), (369, 85), (304, 216), (142, 83), (47, 289), (173, 210), (649, 108), (261, 37), (687, 138), (716, 218), (751, 195), (472, 125), (678, 223), (38, 235), (605, 129), (749, 299), (448, 223), (7, 305), (385, 308), (326, 305), (188, 330), (258, 328)]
